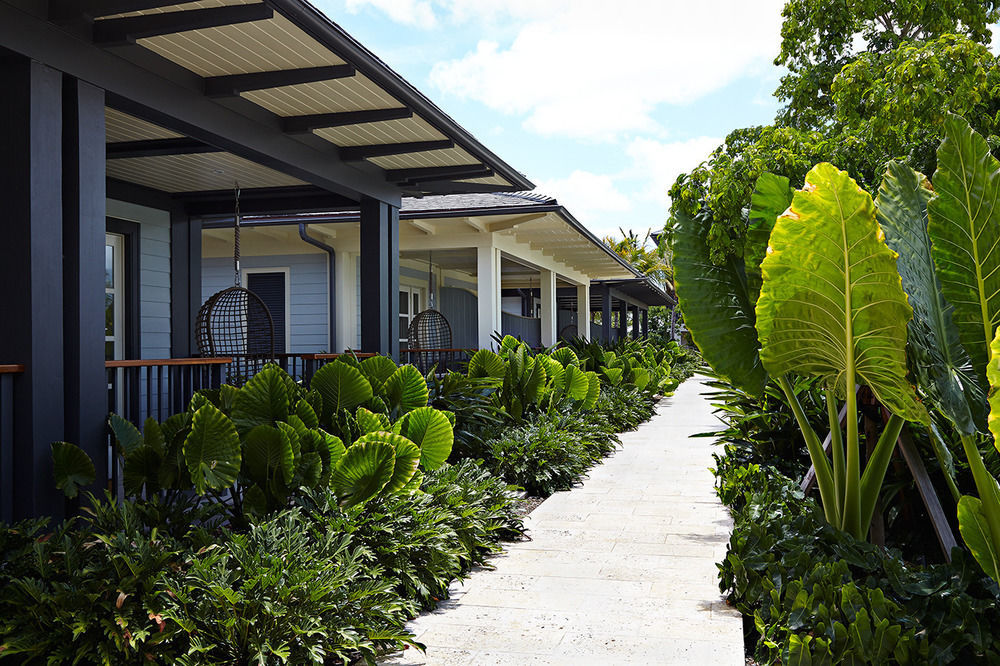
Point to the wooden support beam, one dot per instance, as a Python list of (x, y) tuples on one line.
[(517, 221), (157, 147), (358, 153), (459, 188), (121, 31), (423, 226), (304, 124), (419, 174), (234, 84)]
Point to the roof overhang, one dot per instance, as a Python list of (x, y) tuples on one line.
[(643, 292), (272, 93)]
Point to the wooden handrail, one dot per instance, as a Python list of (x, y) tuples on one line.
[(11, 369), (425, 350), (155, 362), (330, 357)]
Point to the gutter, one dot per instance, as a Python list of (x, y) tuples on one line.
[(332, 287)]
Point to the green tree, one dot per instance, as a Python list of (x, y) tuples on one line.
[(820, 37), (654, 262)]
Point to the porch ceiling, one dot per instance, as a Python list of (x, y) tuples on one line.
[(298, 71)]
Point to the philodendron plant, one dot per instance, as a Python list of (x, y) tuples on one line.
[(253, 447)]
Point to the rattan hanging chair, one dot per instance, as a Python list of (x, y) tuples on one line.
[(428, 336), (235, 322)]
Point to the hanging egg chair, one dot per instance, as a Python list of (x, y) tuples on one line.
[(235, 322), (428, 335)]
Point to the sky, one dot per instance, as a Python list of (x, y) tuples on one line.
[(600, 104)]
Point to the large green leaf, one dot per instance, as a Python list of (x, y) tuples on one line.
[(593, 390), (832, 305), (267, 454), (142, 468), (126, 434), (264, 399), (577, 384), (486, 363), (772, 195), (378, 369), (430, 430), (407, 457), (566, 356), (717, 306), (363, 471), (937, 358), (975, 532), (342, 387), (406, 389), (993, 376), (369, 421), (72, 468), (212, 450), (965, 228)]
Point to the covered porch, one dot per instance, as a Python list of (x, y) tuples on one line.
[(126, 126)]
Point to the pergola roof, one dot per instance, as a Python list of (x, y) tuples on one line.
[(281, 64)]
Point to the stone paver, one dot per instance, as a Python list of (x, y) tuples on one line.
[(618, 571)]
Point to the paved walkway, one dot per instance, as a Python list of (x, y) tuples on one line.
[(618, 571)]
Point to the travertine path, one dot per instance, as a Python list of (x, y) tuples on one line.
[(618, 571)]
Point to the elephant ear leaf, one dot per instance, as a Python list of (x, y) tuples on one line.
[(407, 456), (127, 435), (486, 363), (772, 195), (717, 305), (831, 304), (262, 400), (430, 430), (268, 454), (212, 450), (965, 228), (72, 468), (937, 358), (378, 369), (975, 532), (363, 471), (342, 386), (370, 421), (406, 389)]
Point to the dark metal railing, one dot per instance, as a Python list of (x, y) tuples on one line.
[(138, 389), (8, 375), (445, 359)]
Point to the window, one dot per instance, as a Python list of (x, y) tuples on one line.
[(271, 285), (114, 296), (410, 305)]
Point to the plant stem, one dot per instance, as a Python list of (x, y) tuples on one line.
[(989, 494), (836, 445), (878, 464), (852, 488), (942, 454), (824, 475)]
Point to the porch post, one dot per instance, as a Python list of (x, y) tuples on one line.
[(622, 320), (185, 282), (84, 216), (645, 323), (379, 278), (488, 293), (549, 304), (606, 314), (583, 311), (635, 322), (31, 268), (347, 295)]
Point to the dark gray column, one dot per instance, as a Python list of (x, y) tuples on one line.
[(84, 216), (31, 328), (645, 323), (185, 282), (606, 314), (622, 320), (635, 322), (379, 278)]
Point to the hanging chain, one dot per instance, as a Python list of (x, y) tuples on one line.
[(236, 235)]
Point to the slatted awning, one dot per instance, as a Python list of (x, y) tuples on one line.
[(285, 65)]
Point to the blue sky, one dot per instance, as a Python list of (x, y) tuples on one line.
[(601, 104)]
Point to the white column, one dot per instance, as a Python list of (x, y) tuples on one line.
[(488, 292), (583, 311), (550, 317), (345, 306)]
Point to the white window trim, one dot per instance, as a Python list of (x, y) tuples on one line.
[(245, 272)]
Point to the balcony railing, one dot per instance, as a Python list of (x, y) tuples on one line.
[(8, 375), (445, 359)]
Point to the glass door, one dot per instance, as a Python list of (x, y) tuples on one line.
[(114, 296), (410, 305)]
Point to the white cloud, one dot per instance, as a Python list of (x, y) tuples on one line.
[(597, 70), (657, 164), (418, 13), (594, 199)]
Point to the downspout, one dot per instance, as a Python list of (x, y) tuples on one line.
[(332, 287)]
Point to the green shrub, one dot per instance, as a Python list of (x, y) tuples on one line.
[(623, 407), (284, 591), (816, 593)]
